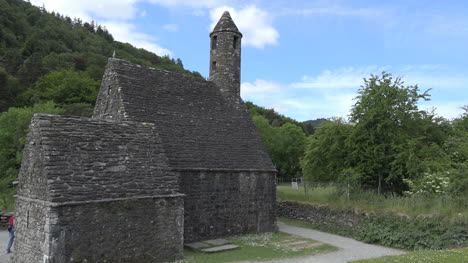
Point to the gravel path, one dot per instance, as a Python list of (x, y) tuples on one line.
[(4, 258), (349, 249)]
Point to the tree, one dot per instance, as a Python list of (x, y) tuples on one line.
[(326, 154), (66, 87), (384, 113), (285, 145), (456, 146), (291, 141), (14, 126)]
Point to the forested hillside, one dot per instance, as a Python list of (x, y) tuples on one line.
[(36, 44)]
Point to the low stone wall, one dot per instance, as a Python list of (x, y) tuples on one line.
[(319, 214)]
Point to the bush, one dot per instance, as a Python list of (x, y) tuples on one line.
[(431, 184), (417, 233)]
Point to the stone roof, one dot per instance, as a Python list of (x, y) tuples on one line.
[(198, 126), (226, 23), (73, 159)]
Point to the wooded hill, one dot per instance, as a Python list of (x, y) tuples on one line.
[(35, 43)]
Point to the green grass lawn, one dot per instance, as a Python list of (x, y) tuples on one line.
[(454, 208), (260, 247), (424, 256)]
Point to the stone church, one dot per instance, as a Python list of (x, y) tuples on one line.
[(165, 159)]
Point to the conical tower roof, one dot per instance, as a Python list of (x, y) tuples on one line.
[(226, 23)]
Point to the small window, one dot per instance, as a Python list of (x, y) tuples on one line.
[(234, 43), (214, 42), (213, 65)]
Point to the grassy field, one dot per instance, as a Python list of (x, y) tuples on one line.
[(454, 208), (424, 256), (261, 247)]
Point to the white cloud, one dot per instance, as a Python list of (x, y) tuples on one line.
[(261, 86), (255, 25), (85, 9), (349, 77), (322, 104), (191, 3), (448, 110), (331, 93), (171, 27), (336, 11), (126, 32)]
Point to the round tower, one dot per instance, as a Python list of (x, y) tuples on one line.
[(225, 56)]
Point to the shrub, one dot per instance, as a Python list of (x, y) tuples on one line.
[(416, 233), (431, 184)]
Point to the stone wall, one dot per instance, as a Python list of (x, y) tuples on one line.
[(30, 233), (198, 126), (319, 214), (102, 232), (96, 191), (79, 159), (109, 103), (220, 203)]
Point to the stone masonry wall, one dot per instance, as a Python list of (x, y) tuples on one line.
[(79, 159), (109, 103), (103, 232), (30, 233), (96, 191), (319, 214), (219, 204), (225, 57), (115, 232)]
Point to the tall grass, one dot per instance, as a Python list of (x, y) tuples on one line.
[(453, 208)]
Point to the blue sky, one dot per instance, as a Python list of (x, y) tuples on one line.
[(305, 59)]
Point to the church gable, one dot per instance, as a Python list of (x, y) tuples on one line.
[(76, 159), (200, 128)]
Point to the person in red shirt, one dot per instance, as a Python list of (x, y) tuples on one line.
[(11, 229)]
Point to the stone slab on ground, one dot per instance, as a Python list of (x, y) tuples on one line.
[(216, 242), (220, 248), (196, 245)]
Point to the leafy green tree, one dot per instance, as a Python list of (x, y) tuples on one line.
[(456, 147), (275, 119), (290, 144), (383, 115), (10, 89), (284, 144), (326, 154), (78, 109), (66, 87), (14, 125)]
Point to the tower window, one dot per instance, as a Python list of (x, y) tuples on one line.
[(213, 65), (214, 42), (234, 43)]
